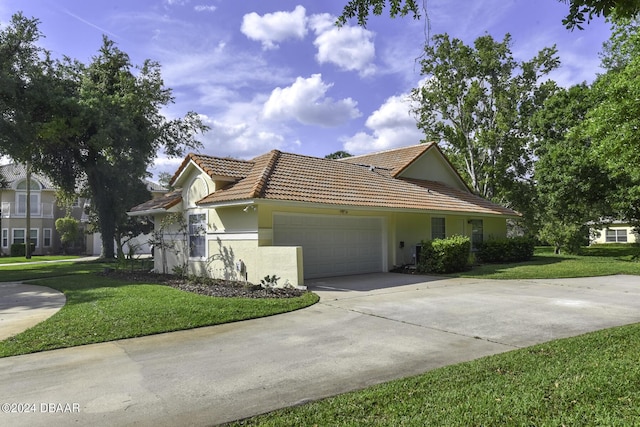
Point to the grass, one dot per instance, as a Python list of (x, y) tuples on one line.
[(593, 379), (598, 260), (18, 272), (36, 258), (100, 309)]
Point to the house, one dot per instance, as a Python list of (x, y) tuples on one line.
[(303, 217), (44, 212), (614, 231)]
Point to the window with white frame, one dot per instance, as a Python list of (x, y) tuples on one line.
[(46, 237), (616, 235), (197, 235), (21, 198), (5, 237), (18, 236), (33, 236), (438, 228)]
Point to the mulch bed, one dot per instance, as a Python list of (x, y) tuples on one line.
[(209, 287)]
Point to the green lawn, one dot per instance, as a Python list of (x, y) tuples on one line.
[(19, 271), (599, 260), (36, 258), (100, 309), (590, 380)]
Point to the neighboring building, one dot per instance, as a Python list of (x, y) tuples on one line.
[(44, 212), (302, 217), (614, 232)]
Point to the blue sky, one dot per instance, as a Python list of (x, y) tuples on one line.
[(276, 74)]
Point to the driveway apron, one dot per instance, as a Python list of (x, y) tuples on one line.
[(365, 330)]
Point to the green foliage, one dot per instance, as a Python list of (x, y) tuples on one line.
[(445, 255), (562, 235), (69, 230), (338, 155), (515, 249), (580, 11), (20, 249), (477, 101), (101, 123), (269, 281)]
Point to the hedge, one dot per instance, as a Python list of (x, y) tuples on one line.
[(20, 249), (444, 255), (506, 250)]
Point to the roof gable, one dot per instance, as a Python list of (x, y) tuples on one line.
[(215, 167)]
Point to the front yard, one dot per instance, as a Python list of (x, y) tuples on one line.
[(104, 308)]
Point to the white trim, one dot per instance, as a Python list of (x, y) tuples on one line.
[(44, 238), (249, 235), (37, 230), (2, 237), (206, 246), (13, 235)]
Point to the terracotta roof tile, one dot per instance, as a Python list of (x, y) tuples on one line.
[(395, 160), (292, 177), (165, 201), (216, 166)]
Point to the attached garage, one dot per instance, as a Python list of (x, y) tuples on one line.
[(332, 245)]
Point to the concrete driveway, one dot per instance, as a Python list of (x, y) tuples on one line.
[(365, 330)]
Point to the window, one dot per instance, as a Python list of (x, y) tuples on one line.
[(21, 198), (22, 203), (5, 237), (616, 235), (437, 228), (33, 236), (197, 235), (476, 233), (18, 236), (46, 237)]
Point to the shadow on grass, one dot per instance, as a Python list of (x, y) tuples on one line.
[(622, 252), (494, 269)]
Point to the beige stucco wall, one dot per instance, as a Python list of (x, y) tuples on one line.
[(432, 166), (600, 235)]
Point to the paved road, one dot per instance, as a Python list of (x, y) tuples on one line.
[(366, 330)]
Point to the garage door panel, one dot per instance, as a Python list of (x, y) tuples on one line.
[(332, 245)]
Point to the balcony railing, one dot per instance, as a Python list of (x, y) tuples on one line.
[(40, 210)]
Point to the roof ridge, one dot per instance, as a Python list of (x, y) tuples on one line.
[(260, 185), (425, 144)]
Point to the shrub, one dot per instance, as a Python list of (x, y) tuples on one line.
[(20, 249), (445, 255), (506, 250)]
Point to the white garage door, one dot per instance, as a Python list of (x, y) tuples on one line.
[(332, 245)]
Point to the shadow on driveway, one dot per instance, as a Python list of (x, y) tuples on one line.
[(368, 282)]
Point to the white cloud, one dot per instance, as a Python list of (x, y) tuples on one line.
[(350, 48), (204, 8), (392, 126), (305, 101), (273, 28)]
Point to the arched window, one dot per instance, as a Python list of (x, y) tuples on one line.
[(21, 197)]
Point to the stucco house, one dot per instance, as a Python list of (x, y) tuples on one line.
[(44, 210), (303, 217), (614, 231)]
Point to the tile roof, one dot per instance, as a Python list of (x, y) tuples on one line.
[(165, 201), (293, 177), (395, 160), (14, 172), (216, 166)]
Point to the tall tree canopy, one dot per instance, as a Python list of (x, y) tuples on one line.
[(614, 123), (580, 11), (478, 101), (100, 124)]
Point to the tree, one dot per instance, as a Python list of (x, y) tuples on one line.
[(580, 11), (572, 188), (613, 124), (478, 102), (69, 230), (338, 155), (101, 123)]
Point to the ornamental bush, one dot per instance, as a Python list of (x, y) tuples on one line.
[(444, 255), (20, 249), (506, 250)]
